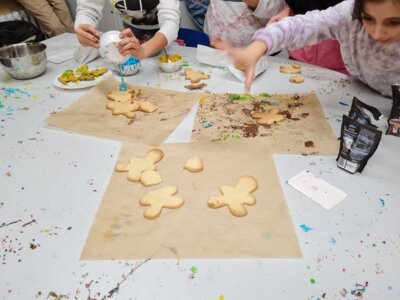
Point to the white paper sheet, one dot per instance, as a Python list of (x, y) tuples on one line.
[(317, 189), (219, 58)]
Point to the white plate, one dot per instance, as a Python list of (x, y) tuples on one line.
[(79, 84)]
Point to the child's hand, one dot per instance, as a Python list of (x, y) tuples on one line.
[(247, 58), (129, 44), (88, 36), (220, 44), (285, 12)]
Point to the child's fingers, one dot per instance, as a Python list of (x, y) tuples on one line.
[(126, 33), (87, 35), (128, 45), (221, 45), (249, 78)]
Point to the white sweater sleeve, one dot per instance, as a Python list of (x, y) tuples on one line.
[(168, 18), (88, 12)]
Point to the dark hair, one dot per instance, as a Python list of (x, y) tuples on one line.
[(359, 7)]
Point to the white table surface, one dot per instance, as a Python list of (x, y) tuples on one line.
[(58, 179)]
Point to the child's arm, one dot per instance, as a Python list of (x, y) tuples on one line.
[(168, 18), (88, 12), (248, 57), (303, 30)]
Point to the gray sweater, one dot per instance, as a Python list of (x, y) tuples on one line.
[(376, 65)]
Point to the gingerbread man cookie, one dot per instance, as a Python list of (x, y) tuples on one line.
[(138, 165), (117, 96), (235, 197), (126, 109), (268, 117), (159, 199), (195, 76)]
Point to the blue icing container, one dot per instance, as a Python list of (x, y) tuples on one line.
[(130, 67)]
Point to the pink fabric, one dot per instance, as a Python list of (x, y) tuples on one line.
[(325, 54)]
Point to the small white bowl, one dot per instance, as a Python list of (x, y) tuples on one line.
[(174, 63), (108, 48)]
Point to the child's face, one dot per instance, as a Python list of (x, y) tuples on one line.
[(382, 21)]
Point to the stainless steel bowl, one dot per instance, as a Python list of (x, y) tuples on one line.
[(24, 60)]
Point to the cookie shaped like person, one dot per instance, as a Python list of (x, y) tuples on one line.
[(159, 199), (126, 109), (195, 76), (236, 197), (268, 117), (138, 165)]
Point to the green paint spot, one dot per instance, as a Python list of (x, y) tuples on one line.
[(265, 95), (308, 267), (1, 105), (312, 281), (186, 65), (237, 97), (373, 245), (194, 269)]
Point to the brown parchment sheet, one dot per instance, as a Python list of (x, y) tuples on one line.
[(88, 115), (194, 230), (228, 116)]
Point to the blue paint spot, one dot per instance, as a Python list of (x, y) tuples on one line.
[(16, 93), (205, 123), (9, 111), (343, 103), (332, 241), (381, 202), (306, 228)]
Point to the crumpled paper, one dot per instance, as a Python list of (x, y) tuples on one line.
[(84, 55)]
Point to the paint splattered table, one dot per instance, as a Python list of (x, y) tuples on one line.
[(52, 182)]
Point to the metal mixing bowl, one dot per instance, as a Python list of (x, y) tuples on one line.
[(24, 60)]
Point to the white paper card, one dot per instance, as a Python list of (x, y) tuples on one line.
[(219, 58), (261, 66), (211, 56), (317, 189)]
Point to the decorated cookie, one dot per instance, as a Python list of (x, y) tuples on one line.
[(268, 117), (159, 199), (236, 197)]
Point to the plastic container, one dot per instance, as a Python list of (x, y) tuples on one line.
[(109, 50), (130, 67)]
